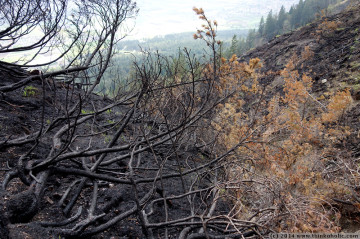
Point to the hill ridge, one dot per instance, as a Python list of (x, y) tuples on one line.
[(335, 49)]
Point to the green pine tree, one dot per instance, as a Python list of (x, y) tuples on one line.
[(270, 26), (281, 19), (261, 27), (233, 47)]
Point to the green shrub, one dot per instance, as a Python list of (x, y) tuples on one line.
[(30, 91)]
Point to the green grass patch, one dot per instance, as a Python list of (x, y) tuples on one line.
[(30, 91), (84, 112), (356, 87), (355, 65), (111, 121), (107, 138)]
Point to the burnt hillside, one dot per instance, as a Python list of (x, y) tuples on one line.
[(336, 45), (335, 41), (179, 153)]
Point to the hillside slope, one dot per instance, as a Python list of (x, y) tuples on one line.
[(335, 41), (146, 164)]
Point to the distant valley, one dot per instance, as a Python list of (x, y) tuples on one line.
[(176, 16)]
